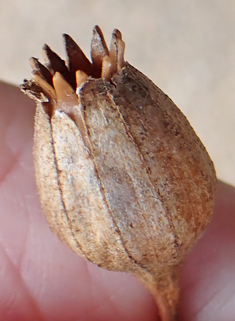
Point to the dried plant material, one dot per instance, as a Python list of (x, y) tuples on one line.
[(123, 179)]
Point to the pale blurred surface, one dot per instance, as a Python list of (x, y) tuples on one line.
[(186, 47)]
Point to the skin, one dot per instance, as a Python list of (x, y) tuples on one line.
[(42, 279)]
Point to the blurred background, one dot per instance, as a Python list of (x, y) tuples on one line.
[(186, 47)]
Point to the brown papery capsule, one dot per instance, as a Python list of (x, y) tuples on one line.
[(123, 179)]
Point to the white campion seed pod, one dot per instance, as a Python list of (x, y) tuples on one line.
[(123, 179)]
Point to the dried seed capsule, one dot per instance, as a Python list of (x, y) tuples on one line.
[(123, 179)]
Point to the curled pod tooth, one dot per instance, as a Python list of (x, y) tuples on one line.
[(123, 178)]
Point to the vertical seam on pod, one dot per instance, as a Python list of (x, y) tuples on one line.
[(102, 189), (61, 194), (142, 159)]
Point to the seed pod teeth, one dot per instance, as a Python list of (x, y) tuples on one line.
[(81, 77), (105, 67), (117, 49), (99, 50), (78, 69), (55, 63), (41, 69), (108, 68), (44, 85), (65, 95), (76, 58)]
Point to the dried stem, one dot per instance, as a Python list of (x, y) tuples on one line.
[(165, 290)]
